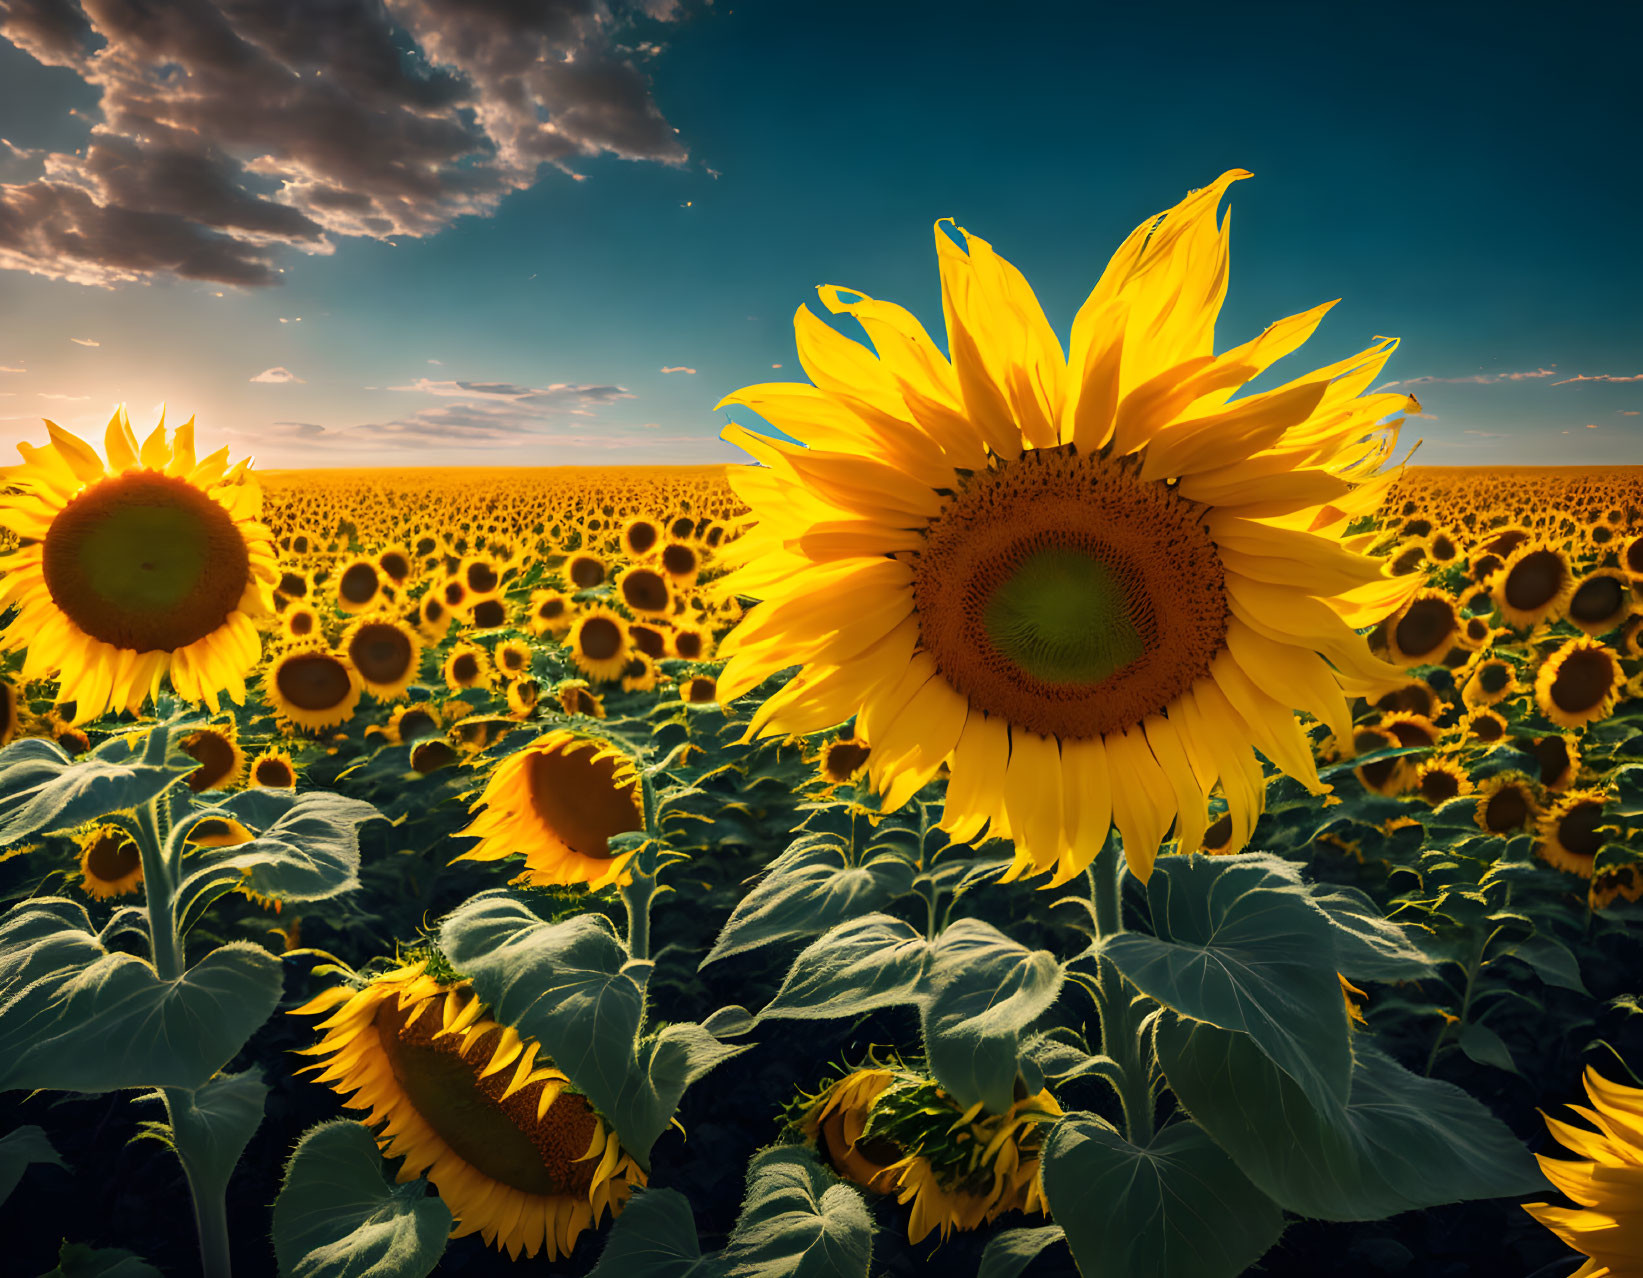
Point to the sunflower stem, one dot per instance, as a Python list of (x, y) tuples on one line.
[(1121, 1037), (210, 1202), (165, 946), (636, 896)]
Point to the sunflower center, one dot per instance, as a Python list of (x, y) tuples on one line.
[(503, 1139), (1427, 624), (586, 572), (580, 800), (1438, 785), (1597, 600), (1507, 809), (276, 773), (112, 857), (395, 565), (465, 669), (313, 681), (358, 584), (489, 614), (1062, 594), (381, 652), (1494, 676), (1583, 680), (482, 578), (215, 755), (679, 560), (645, 590), (144, 561), (1535, 580), (1577, 830), (688, 645), (601, 638)]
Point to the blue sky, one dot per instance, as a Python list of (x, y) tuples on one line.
[(472, 257)]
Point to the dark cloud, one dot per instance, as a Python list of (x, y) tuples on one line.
[(233, 129)]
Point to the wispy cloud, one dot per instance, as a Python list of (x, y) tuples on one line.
[(1601, 377), (277, 374), (57, 395), (1628, 412), (579, 400), (678, 368), (9, 368), (1478, 379), (363, 118), (78, 341)]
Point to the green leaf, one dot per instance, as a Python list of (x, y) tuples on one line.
[(76, 1260), (1368, 945), (799, 1221), (809, 888), (1402, 1142), (309, 853), (1010, 1251), (1241, 946), (982, 990), (42, 790), (338, 1216), (871, 962), (1486, 1047), (216, 1123), (1551, 960), (1177, 1207), (76, 1017), (572, 986), (20, 1150), (654, 1237)]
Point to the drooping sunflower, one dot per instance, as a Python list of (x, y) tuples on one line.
[(311, 687), (1083, 581), (558, 802), (216, 748), (385, 652), (518, 1156), (110, 863), (1607, 1182), (147, 564), (896, 1131), (1579, 683), (575, 697), (1569, 831)]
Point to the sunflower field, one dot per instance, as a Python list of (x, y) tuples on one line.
[(1047, 813)]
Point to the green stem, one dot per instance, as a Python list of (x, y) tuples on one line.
[(165, 945), (1120, 1027), (1473, 966), (637, 897), (210, 1201)]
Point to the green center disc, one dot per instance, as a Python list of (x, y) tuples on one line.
[(1062, 618)]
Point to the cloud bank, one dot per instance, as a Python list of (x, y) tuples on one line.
[(232, 130)]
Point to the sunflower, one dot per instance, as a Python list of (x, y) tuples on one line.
[(1600, 602), (692, 643), (1383, 776), (640, 673), (217, 750), (650, 637), (551, 613), (1483, 725), (467, 666), (559, 801), (1506, 803), (145, 564), (433, 617), (1420, 632), (513, 658), (645, 591), (360, 585), (430, 756), (396, 564), (1579, 683), (518, 1156), (1559, 759), (843, 758), (1492, 681), (487, 613), (9, 720), (273, 770), (639, 536), (585, 571), (110, 863), (482, 576), (1607, 1226), (386, 654), (1622, 883), (1569, 831), (895, 1131), (598, 644), (1534, 583), (300, 622), (575, 697), (1083, 582), (413, 722), (699, 690), (217, 832), (523, 694), (311, 687), (681, 561), (291, 586), (1441, 779)]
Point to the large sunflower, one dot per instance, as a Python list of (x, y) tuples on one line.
[(558, 802), (1090, 583), (145, 564), (1606, 1182), (517, 1156)]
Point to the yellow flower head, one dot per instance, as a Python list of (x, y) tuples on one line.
[(1087, 579)]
